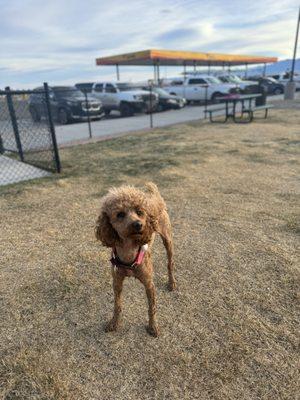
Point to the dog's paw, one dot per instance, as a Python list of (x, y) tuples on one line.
[(153, 330), (172, 285), (112, 326)]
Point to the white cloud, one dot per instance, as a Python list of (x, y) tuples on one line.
[(57, 40)]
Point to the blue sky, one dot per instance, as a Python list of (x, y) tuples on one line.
[(57, 41)]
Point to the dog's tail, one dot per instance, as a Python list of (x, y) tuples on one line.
[(152, 188)]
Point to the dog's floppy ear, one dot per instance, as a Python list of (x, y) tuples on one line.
[(151, 226), (105, 232)]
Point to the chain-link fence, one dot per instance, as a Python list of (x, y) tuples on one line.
[(28, 146)]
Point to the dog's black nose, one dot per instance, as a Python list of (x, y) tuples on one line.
[(137, 226)]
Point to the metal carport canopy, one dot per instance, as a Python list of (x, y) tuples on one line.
[(176, 58)]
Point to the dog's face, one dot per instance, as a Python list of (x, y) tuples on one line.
[(125, 216), (128, 221)]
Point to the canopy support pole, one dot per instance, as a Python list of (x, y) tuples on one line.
[(154, 72), (118, 72), (264, 71), (246, 70), (184, 68), (194, 63), (157, 66), (295, 49)]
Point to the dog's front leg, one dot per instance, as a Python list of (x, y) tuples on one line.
[(117, 286), (146, 278)]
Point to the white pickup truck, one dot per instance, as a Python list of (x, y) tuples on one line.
[(196, 87), (236, 80), (123, 97)]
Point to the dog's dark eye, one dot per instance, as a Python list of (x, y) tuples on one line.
[(121, 215), (139, 212)]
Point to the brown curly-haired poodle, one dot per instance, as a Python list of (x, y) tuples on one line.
[(127, 223)]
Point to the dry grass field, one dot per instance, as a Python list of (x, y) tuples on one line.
[(230, 331)]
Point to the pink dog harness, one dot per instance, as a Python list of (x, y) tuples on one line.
[(138, 261)]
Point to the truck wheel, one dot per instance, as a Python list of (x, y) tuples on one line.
[(35, 114), (126, 110), (107, 112), (277, 91), (160, 107), (62, 116)]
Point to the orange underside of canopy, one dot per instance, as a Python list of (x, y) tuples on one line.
[(173, 58)]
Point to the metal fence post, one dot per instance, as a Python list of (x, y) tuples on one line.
[(151, 116), (1, 146), (14, 122), (88, 113), (206, 99), (51, 127)]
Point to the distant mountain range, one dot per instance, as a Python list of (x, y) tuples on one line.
[(273, 69)]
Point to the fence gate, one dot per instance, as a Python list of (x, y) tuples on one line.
[(28, 147)]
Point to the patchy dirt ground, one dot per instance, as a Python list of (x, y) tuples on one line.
[(230, 331)]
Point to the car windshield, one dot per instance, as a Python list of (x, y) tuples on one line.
[(67, 91), (224, 79), (272, 80), (161, 92), (231, 79), (87, 87), (212, 79), (235, 79), (125, 87)]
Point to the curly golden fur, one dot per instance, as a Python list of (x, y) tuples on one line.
[(129, 218)]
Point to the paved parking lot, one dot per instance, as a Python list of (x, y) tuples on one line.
[(13, 171), (116, 125)]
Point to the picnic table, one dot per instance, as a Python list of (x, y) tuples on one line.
[(229, 104)]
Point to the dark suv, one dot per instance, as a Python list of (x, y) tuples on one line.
[(271, 85), (67, 104)]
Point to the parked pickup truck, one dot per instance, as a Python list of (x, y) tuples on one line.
[(244, 85), (194, 87), (123, 97)]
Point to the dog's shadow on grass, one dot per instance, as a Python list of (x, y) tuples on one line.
[(97, 333)]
